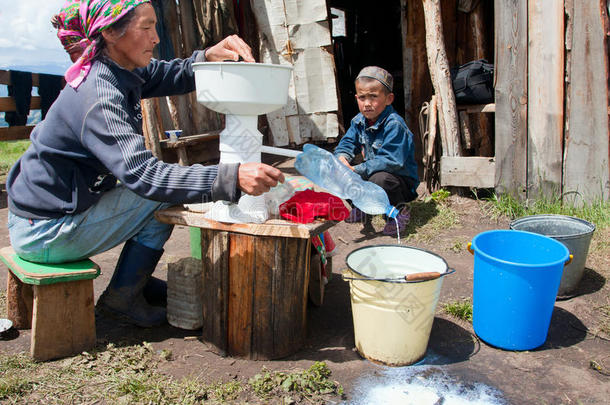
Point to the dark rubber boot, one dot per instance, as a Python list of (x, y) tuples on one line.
[(155, 292), (124, 295)]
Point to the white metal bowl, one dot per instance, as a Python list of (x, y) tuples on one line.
[(242, 88)]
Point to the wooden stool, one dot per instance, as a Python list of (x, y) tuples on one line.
[(55, 301)]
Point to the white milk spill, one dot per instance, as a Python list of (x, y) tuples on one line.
[(420, 385)]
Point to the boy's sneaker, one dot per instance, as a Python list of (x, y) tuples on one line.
[(355, 216), (402, 219)]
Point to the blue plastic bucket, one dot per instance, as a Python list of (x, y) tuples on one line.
[(516, 277)]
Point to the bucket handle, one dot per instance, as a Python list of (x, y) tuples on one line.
[(409, 278), (472, 253)]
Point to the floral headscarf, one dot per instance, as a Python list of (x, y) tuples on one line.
[(80, 20)]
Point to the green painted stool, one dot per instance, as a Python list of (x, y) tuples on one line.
[(55, 301)]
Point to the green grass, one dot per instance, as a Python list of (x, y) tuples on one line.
[(130, 375), (459, 309), (596, 212), (429, 218), (309, 383), (10, 151)]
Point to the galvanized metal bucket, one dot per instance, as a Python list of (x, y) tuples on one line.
[(574, 233)]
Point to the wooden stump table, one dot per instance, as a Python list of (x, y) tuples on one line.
[(255, 283)]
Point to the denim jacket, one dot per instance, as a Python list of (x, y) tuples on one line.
[(388, 146)]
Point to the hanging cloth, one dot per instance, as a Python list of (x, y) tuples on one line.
[(21, 91), (49, 87)]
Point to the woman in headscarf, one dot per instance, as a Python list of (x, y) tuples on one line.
[(87, 183)]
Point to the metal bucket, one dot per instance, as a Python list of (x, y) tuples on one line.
[(574, 233), (394, 292)]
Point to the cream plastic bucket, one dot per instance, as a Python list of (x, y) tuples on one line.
[(392, 316)]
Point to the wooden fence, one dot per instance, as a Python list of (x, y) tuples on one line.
[(7, 104)]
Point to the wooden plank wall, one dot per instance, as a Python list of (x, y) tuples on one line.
[(552, 99), (586, 161), (545, 64), (511, 96)]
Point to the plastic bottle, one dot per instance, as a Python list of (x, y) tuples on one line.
[(325, 170), (277, 195)]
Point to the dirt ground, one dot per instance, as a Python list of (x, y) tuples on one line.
[(457, 368)]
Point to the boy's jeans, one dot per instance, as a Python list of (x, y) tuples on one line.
[(118, 216)]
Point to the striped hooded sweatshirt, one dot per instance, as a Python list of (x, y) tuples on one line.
[(92, 137)]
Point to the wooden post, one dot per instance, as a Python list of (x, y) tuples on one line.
[(545, 69), (151, 124), (215, 261), (510, 23), (482, 122), (467, 141), (407, 64), (170, 14), (586, 153), (202, 118), (415, 48), (63, 320), (19, 299), (431, 165), (441, 79)]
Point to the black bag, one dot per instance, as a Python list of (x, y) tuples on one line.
[(473, 82)]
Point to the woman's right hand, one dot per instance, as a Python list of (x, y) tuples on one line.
[(257, 178), (230, 48)]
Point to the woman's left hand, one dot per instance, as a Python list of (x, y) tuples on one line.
[(230, 48)]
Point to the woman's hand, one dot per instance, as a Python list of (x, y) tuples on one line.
[(257, 178), (230, 48)]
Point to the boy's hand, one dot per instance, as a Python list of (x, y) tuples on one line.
[(230, 48), (343, 160), (257, 178)]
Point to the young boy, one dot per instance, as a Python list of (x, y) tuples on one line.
[(386, 144)]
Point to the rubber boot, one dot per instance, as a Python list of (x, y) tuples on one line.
[(124, 296), (155, 292)]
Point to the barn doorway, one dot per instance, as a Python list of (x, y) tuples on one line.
[(368, 34)]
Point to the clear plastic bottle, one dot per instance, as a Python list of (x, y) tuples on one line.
[(277, 195), (325, 170)]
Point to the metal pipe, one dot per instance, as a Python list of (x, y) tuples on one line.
[(280, 151)]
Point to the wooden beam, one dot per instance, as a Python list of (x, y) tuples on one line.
[(472, 171), (545, 73), (8, 104), (510, 21), (5, 78), (441, 78), (151, 125), (15, 133), (187, 141), (477, 108)]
